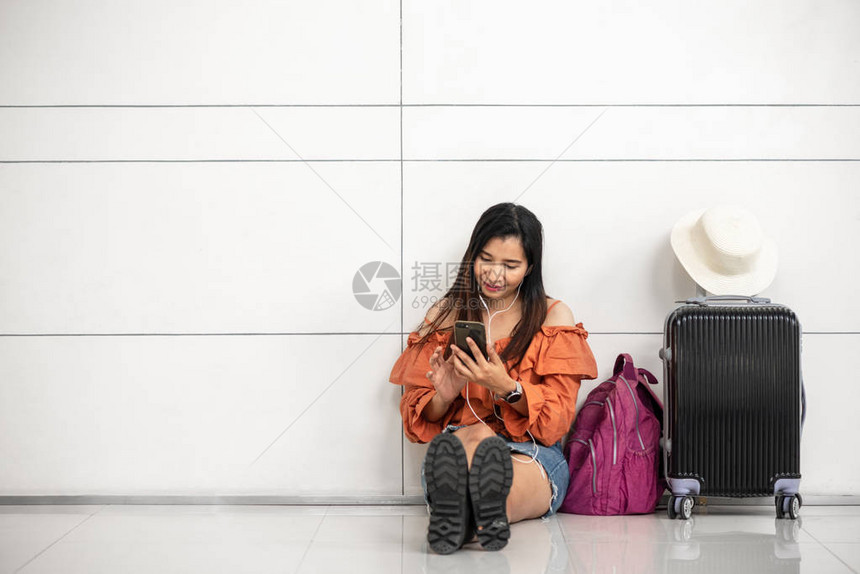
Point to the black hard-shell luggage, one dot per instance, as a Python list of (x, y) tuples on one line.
[(733, 402)]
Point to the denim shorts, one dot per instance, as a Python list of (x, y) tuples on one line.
[(550, 458)]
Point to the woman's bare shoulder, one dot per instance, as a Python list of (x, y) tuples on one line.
[(560, 314), (431, 315)]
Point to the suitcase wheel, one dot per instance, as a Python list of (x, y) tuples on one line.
[(788, 506), (680, 507)]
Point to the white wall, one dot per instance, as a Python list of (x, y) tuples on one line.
[(186, 192)]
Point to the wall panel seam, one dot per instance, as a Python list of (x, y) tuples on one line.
[(312, 334), (438, 160), (442, 105)]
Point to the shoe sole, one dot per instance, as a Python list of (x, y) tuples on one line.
[(489, 484), (447, 475)]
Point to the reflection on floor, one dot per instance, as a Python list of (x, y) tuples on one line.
[(355, 540)]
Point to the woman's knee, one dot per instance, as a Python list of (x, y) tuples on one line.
[(531, 491), (471, 437), (476, 432)]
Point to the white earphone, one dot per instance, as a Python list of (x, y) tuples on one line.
[(490, 319), (490, 340)]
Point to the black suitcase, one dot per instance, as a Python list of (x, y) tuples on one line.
[(734, 402)]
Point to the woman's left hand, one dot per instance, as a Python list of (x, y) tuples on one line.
[(491, 373)]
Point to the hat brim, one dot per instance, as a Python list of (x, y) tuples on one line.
[(686, 246)]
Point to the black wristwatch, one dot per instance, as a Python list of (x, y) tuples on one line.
[(515, 395)]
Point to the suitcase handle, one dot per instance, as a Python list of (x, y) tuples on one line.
[(705, 301), (802, 405)]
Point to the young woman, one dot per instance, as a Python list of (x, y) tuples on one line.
[(494, 425)]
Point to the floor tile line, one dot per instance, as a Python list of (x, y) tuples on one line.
[(311, 541), (52, 544), (826, 547), (563, 533), (402, 544)]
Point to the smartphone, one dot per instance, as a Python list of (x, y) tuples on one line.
[(473, 329)]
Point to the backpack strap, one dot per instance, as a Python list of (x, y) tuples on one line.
[(647, 376), (624, 366)]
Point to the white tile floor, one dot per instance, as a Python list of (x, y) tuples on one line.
[(309, 539)]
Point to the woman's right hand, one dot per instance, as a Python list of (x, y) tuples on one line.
[(444, 377)]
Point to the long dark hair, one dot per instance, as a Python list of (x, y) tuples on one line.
[(502, 220)]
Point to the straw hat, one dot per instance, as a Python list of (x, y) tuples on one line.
[(725, 251)]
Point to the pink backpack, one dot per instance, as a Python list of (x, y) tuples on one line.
[(614, 446)]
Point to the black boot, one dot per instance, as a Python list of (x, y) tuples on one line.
[(447, 474), (489, 484)]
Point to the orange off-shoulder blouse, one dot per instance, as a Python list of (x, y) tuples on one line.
[(550, 372)]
